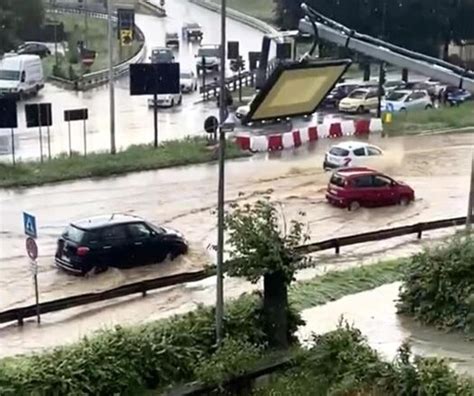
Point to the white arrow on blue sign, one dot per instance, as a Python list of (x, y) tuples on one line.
[(29, 224)]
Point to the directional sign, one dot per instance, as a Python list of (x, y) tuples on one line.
[(31, 248), (29, 224)]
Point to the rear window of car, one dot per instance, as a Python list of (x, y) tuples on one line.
[(339, 152), (338, 180), (74, 234)]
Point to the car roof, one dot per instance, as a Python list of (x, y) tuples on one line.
[(96, 222), (351, 145), (356, 171)]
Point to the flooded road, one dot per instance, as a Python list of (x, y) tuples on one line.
[(184, 198), (374, 313)]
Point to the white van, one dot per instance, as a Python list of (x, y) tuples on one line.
[(21, 75)]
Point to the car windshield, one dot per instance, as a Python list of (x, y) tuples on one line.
[(162, 55), (186, 75), (339, 152), (193, 26), (357, 94), (337, 180), (9, 75), (208, 52), (396, 96)]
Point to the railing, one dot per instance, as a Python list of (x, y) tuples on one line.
[(90, 80), (142, 287), (246, 78)]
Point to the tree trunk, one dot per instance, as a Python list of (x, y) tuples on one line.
[(275, 307)]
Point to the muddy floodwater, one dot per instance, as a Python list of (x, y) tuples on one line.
[(374, 313), (184, 198)]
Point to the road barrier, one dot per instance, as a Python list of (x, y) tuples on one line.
[(142, 287), (91, 80), (246, 78)]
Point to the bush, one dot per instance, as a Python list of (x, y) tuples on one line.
[(122, 360), (438, 287), (342, 363)]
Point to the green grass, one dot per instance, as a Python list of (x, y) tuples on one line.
[(424, 120), (337, 284), (96, 40), (136, 158), (261, 9)]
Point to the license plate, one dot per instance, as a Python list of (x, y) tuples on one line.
[(65, 258)]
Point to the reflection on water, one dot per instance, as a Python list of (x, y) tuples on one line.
[(374, 313)]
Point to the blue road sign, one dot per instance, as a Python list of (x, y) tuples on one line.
[(29, 224)]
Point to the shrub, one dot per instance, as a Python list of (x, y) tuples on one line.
[(438, 287), (122, 360), (342, 363)]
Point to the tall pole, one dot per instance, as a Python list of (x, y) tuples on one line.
[(86, 23), (220, 195), (111, 77), (470, 205)]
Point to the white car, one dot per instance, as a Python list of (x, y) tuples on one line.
[(166, 100), (351, 153), (360, 100), (242, 111), (188, 81), (21, 76), (404, 100)]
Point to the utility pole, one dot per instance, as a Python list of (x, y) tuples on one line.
[(470, 205), (111, 77), (382, 64), (86, 23), (220, 194)]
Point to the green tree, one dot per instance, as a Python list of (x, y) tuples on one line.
[(263, 244)]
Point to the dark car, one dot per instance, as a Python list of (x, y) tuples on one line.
[(339, 92), (121, 241), (357, 186), (455, 96), (32, 48)]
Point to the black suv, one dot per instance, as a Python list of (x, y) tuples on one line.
[(121, 241)]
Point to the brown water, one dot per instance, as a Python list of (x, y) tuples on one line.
[(374, 313), (184, 198)]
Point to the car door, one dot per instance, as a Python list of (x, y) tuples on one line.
[(117, 247), (385, 193), (371, 100), (359, 156), (363, 190), (143, 240)]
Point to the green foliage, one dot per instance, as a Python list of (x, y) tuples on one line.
[(261, 242), (232, 359), (438, 287), (136, 158), (153, 355), (342, 363)]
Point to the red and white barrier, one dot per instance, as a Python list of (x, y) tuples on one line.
[(302, 136)]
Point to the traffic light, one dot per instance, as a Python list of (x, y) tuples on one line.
[(126, 38)]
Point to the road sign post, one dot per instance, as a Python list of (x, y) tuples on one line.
[(29, 225)]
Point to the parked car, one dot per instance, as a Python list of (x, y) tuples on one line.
[(455, 96), (188, 81), (208, 57), (172, 39), (161, 55), (393, 85), (339, 92), (121, 241), (166, 100), (21, 76), (360, 100), (33, 48), (351, 153), (242, 111), (358, 186), (192, 31), (404, 100)]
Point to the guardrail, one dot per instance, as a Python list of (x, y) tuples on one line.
[(94, 79), (238, 16), (247, 78), (142, 287)]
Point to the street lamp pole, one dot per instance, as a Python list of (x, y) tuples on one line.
[(220, 194), (470, 204), (111, 77)]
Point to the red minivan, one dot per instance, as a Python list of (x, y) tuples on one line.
[(355, 187)]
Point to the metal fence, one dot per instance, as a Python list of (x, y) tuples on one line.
[(142, 287)]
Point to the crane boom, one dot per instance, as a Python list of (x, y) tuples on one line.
[(378, 49)]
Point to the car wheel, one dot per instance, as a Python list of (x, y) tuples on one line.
[(353, 206), (404, 201), (403, 110), (428, 107), (361, 110), (180, 100), (177, 251), (172, 103)]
